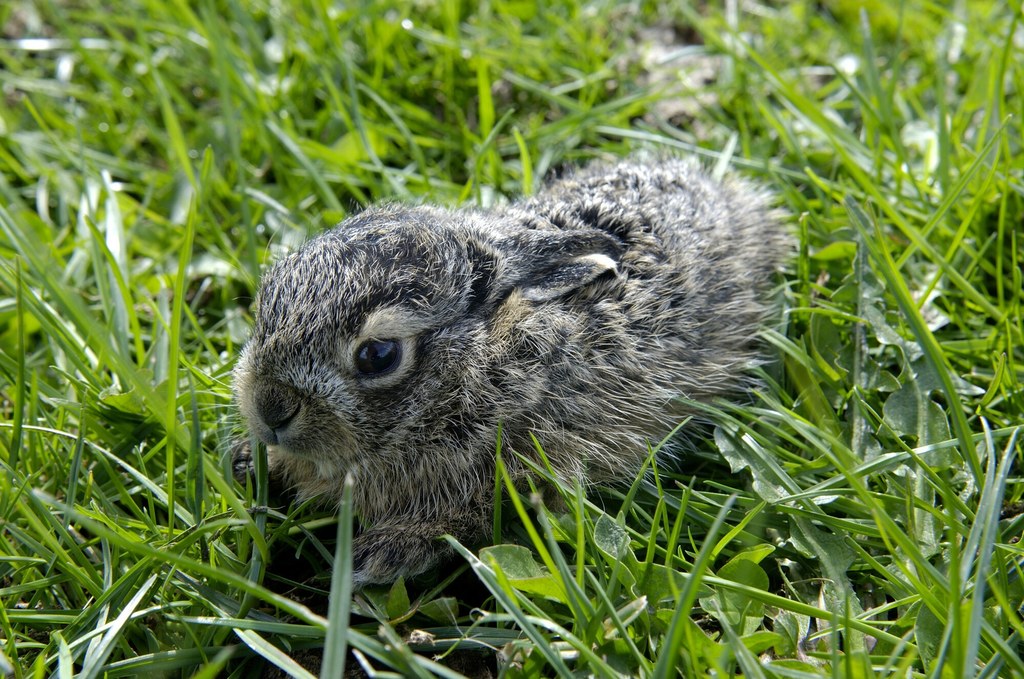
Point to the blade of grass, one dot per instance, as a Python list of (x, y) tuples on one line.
[(92, 664), (273, 654), (340, 601), (669, 653), (873, 237)]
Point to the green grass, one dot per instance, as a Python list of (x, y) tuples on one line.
[(859, 516)]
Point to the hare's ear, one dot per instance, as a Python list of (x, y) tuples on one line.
[(550, 264), (485, 272)]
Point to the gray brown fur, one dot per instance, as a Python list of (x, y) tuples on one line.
[(579, 315)]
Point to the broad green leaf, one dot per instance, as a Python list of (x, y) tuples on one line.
[(793, 628), (515, 561), (840, 249), (443, 610), (912, 413), (759, 642), (771, 482), (928, 633), (397, 606), (610, 537), (661, 584), (517, 564), (835, 557), (757, 553), (734, 608), (130, 402)]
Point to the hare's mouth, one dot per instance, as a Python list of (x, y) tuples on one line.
[(295, 425), (317, 442)]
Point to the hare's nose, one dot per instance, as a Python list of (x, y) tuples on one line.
[(277, 406)]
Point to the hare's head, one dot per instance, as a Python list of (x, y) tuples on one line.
[(375, 340)]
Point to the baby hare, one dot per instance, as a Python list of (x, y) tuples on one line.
[(392, 346)]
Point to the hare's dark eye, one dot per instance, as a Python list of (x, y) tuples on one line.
[(376, 357)]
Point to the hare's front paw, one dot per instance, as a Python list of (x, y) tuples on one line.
[(383, 554), (241, 460)]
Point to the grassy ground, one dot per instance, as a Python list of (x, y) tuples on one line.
[(861, 515)]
